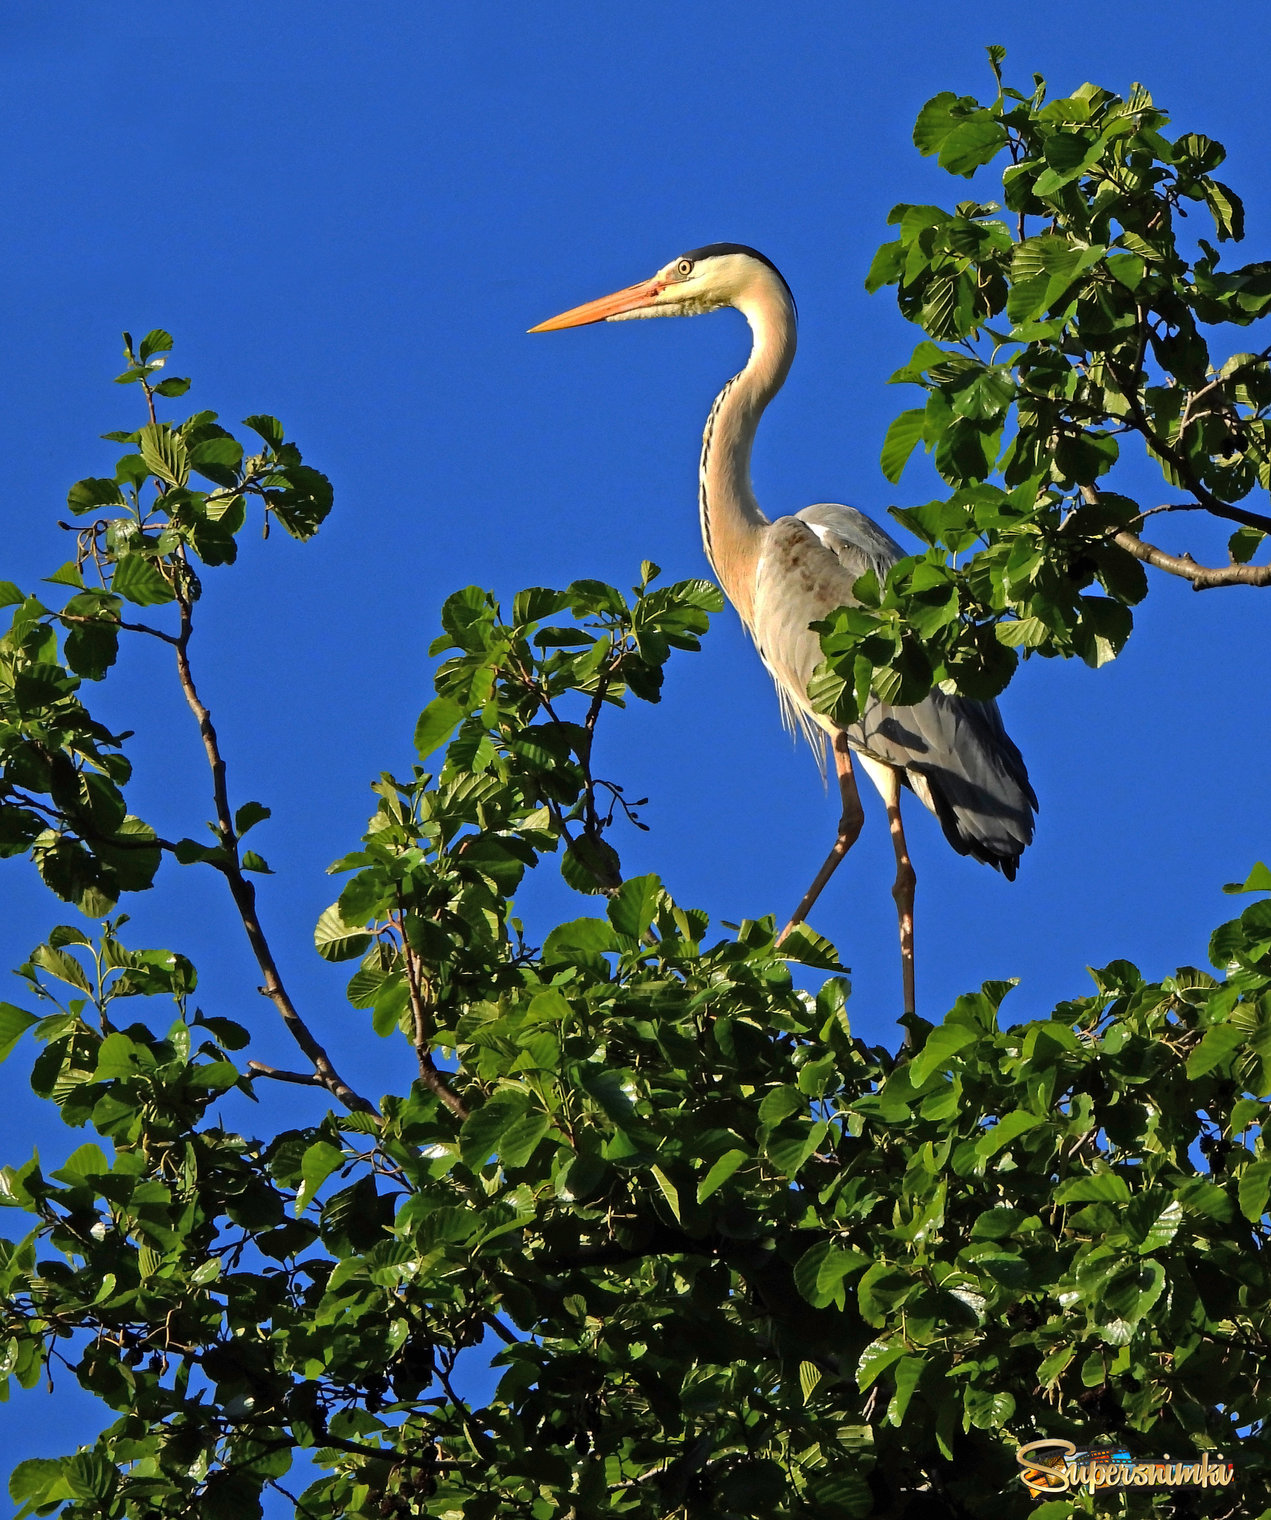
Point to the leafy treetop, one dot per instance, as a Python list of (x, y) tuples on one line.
[(727, 1259)]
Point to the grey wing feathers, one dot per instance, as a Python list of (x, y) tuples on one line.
[(953, 753), (958, 758)]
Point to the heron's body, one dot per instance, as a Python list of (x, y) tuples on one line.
[(786, 574), (954, 754)]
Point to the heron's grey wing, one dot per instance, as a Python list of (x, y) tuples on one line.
[(953, 752)]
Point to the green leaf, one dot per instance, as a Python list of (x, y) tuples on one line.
[(14, 1022), (1008, 1128), (809, 948), (935, 121), (1244, 543), (1226, 208), (155, 342), (1093, 1187), (1258, 880), (582, 939), (90, 649), (719, 1173), (37, 1483), (668, 1190), (248, 816), (821, 1271), (138, 581), (320, 1160), (612, 1090), (1218, 1043), (218, 459), (303, 503), (903, 436), (882, 1289), (91, 494), (269, 428), (971, 143), (591, 865), (633, 905), (779, 1104), (908, 1371), (483, 1128), (165, 453), (86, 1162), (336, 940), (941, 1046), (436, 724), (520, 1140), (536, 603), (1255, 1187), (62, 965)]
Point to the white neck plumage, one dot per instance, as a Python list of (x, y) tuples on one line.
[(732, 522)]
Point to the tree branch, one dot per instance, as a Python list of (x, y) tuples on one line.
[(1202, 577), (242, 890)]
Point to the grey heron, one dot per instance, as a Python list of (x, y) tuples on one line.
[(953, 753)]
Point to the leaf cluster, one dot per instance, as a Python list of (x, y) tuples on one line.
[(62, 773), (1062, 322), (725, 1258), (725, 1255)]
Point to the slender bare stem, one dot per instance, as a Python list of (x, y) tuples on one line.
[(1247, 519), (385, 1453), (242, 890), (1142, 424), (301, 1078), (155, 633), (429, 1074)]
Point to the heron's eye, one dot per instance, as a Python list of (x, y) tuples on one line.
[(685, 267)]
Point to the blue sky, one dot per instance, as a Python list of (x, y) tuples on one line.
[(349, 218)]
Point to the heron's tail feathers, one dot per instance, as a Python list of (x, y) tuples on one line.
[(959, 760)]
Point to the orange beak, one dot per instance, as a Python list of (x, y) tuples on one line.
[(616, 305)]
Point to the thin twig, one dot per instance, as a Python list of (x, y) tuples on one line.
[(56, 816), (301, 1078), (381, 1454), (1182, 465), (429, 1074), (242, 890), (1219, 380), (461, 1409), (155, 633)]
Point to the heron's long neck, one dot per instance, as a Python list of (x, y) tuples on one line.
[(732, 523)]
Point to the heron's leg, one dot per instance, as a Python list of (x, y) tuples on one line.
[(850, 822), (903, 890)]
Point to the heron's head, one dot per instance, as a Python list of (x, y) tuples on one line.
[(704, 279)]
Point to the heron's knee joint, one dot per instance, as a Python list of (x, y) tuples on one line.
[(906, 881), (850, 825)]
